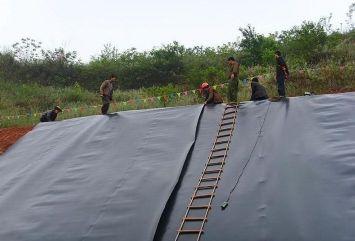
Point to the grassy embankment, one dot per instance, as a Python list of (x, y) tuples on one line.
[(27, 99)]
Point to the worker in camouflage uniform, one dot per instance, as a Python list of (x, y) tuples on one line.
[(233, 72), (106, 91)]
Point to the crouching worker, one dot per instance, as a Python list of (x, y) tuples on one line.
[(50, 115), (106, 91), (211, 95), (258, 92)]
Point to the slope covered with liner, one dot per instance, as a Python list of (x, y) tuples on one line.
[(297, 174), (94, 178), (100, 178)]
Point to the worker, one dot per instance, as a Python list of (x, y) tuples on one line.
[(233, 72), (282, 74), (50, 115), (211, 95), (258, 92), (106, 92)]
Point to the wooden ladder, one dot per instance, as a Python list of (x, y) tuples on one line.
[(201, 200)]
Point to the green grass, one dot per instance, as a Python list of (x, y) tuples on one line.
[(31, 99)]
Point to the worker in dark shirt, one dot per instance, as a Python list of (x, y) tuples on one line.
[(258, 92), (50, 115), (282, 74), (211, 95)]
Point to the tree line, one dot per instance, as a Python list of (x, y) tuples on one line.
[(307, 45)]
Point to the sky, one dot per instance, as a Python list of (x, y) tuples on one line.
[(86, 25)]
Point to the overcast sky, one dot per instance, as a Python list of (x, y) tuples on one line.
[(86, 25)]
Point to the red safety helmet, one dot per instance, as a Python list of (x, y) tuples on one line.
[(204, 85)]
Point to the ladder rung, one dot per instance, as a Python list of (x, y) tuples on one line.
[(231, 107), (221, 142), (203, 196), (226, 129), (200, 207), (230, 112), (207, 179), (227, 123), (215, 164), (206, 187), (225, 135), (182, 231), (217, 156), (194, 219), (213, 171), (228, 118), (219, 149)]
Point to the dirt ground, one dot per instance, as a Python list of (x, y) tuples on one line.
[(9, 136)]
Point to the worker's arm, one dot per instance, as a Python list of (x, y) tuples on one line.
[(209, 99), (253, 89), (282, 64), (102, 87)]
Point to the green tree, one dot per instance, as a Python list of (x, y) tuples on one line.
[(303, 43), (256, 49)]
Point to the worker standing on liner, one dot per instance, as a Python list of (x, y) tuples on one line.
[(106, 92), (233, 73), (282, 74)]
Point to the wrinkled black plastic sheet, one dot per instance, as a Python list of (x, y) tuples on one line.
[(101, 178), (299, 183), (176, 207), (95, 178)]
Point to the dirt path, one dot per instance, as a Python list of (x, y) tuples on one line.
[(9, 136)]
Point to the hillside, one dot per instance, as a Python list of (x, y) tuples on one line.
[(21, 104)]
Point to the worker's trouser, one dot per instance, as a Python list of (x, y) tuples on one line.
[(281, 85), (232, 90), (105, 104)]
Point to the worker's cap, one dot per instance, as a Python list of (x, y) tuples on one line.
[(58, 108), (204, 85), (231, 58)]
